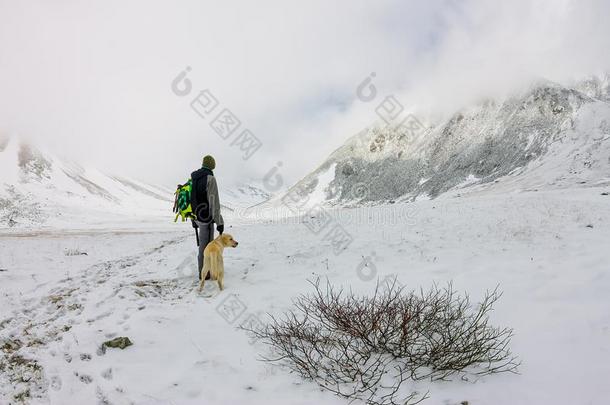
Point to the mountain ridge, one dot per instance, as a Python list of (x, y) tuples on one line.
[(37, 186), (477, 145)]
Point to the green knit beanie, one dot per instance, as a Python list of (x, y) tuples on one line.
[(209, 162)]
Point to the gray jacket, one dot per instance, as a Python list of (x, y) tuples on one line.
[(214, 201)]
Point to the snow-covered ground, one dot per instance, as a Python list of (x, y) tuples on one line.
[(63, 293)]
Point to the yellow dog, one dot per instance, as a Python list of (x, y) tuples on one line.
[(213, 261)]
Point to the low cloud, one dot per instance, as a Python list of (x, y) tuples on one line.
[(91, 80)]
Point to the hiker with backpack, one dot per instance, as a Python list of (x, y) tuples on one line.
[(198, 200)]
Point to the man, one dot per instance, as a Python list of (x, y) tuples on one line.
[(205, 205)]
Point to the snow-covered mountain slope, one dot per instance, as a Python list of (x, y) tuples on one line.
[(549, 136), (39, 188), (243, 195)]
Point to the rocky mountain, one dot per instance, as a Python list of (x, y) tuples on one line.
[(547, 136), (39, 188)]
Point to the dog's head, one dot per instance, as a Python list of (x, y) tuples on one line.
[(227, 240)]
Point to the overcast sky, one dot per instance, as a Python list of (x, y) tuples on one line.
[(92, 80)]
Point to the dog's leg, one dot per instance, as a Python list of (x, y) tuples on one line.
[(217, 264), (220, 272)]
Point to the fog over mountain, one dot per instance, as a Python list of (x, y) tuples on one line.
[(548, 136), (38, 189), (81, 80)]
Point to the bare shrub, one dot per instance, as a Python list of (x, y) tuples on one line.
[(366, 347)]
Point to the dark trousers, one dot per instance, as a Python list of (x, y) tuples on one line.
[(206, 235)]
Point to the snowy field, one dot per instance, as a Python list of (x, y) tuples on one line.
[(63, 293)]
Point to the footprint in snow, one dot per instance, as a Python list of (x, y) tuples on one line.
[(208, 294), (56, 383), (84, 378), (107, 374)]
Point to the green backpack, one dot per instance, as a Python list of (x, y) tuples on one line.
[(182, 202)]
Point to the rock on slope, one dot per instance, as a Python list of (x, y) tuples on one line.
[(548, 136)]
